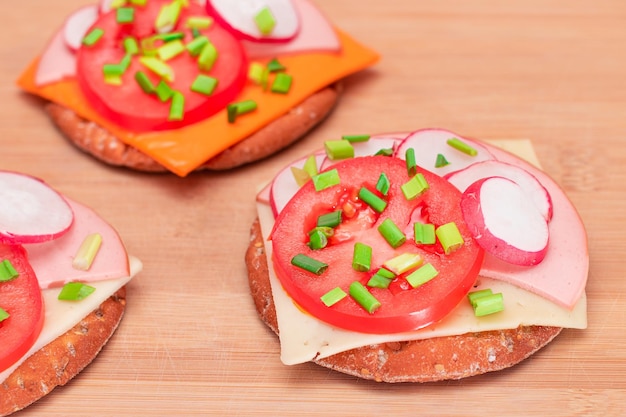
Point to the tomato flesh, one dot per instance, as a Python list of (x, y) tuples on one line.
[(127, 104), (403, 308), (22, 299)]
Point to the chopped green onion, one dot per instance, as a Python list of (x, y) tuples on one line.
[(363, 297), (333, 296), (356, 138), (93, 37), (163, 91), (207, 57), (195, 32), (170, 50), (383, 184), (177, 107), (265, 21), (403, 263), (131, 47), (449, 237), (196, 45), (487, 303), (474, 295), (422, 275), (310, 165), (411, 165), (282, 83), (125, 15), (199, 22), (113, 79), (317, 239), (204, 84), (392, 233), (326, 179), (309, 264), (257, 73), (7, 271), (159, 67), (138, 2), (441, 161), (339, 149), (459, 145), (170, 36), (87, 252), (144, 82), (75, 291), (3, 315), (117, 3), (275, 66), (424, 233), (361, 257), (332, 219), (381, 279), (300, 175), (384, 152), (168, 16), (235, 110), (414, 187), (372, 200)]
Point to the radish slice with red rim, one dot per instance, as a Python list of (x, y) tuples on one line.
[(239, 16), (31, 211), (504, 221), (77, 25)]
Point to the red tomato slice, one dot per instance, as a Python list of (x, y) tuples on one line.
[(403, 308), (127, 104), (21, 298)]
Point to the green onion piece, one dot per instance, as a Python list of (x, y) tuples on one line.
[(199, 22), (372, 200), (7, 271), (300, 176), (196, 45), (93, 37), (488, 304), (117, 3), (441, 161), (3, 315), (131, 47), (333, 296), (159, 67), (424, 233), (363, 297), (381, 279), (257, 73), (356, 138), (207, 57), (332, 219), (310, 165), (449, 237), (384, 152), (195, 32), (177, 107), (204, 84), (411, 165), (265, 21), (163, 91), (144, 82), (383, 184), (459, 145), (87, 252), (75, 291), (361, 257), (328, 231), (138, 2), (282, 83), (112, 70), (309, 264), (338, 149), (275, 66), (392, 233), (168, 16), (326, 179), (475, 295), (125, 15), (170, 50), (422, 275), (317, 239), (113, 79), (403, 263), (414, 187), (234, 110)]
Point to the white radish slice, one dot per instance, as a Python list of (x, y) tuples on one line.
[(57, 62), (77, 25), (31, 211), (428, 143), (369, 147), (504, 221), (532, 187), (238, 15), (284, 185)]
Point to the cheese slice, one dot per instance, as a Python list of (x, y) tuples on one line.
[(61, 316), (304, 337)]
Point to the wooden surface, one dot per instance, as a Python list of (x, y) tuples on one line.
[(191, 343)]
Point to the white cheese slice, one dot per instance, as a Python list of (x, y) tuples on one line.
[(61, 316)]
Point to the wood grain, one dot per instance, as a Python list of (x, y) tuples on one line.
[(191, 343)]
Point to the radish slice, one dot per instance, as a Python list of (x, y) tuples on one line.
[(238, 15), (504, 221), (31, 211), (428, 143), (77, 25), (532, 187), (369, 147), (56, 62)]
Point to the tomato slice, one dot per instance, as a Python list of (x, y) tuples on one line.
[(127, 104), (21, 298), (403, 307)]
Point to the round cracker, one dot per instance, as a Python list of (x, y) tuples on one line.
[(61, 360), (429, 360), (287, 129)]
